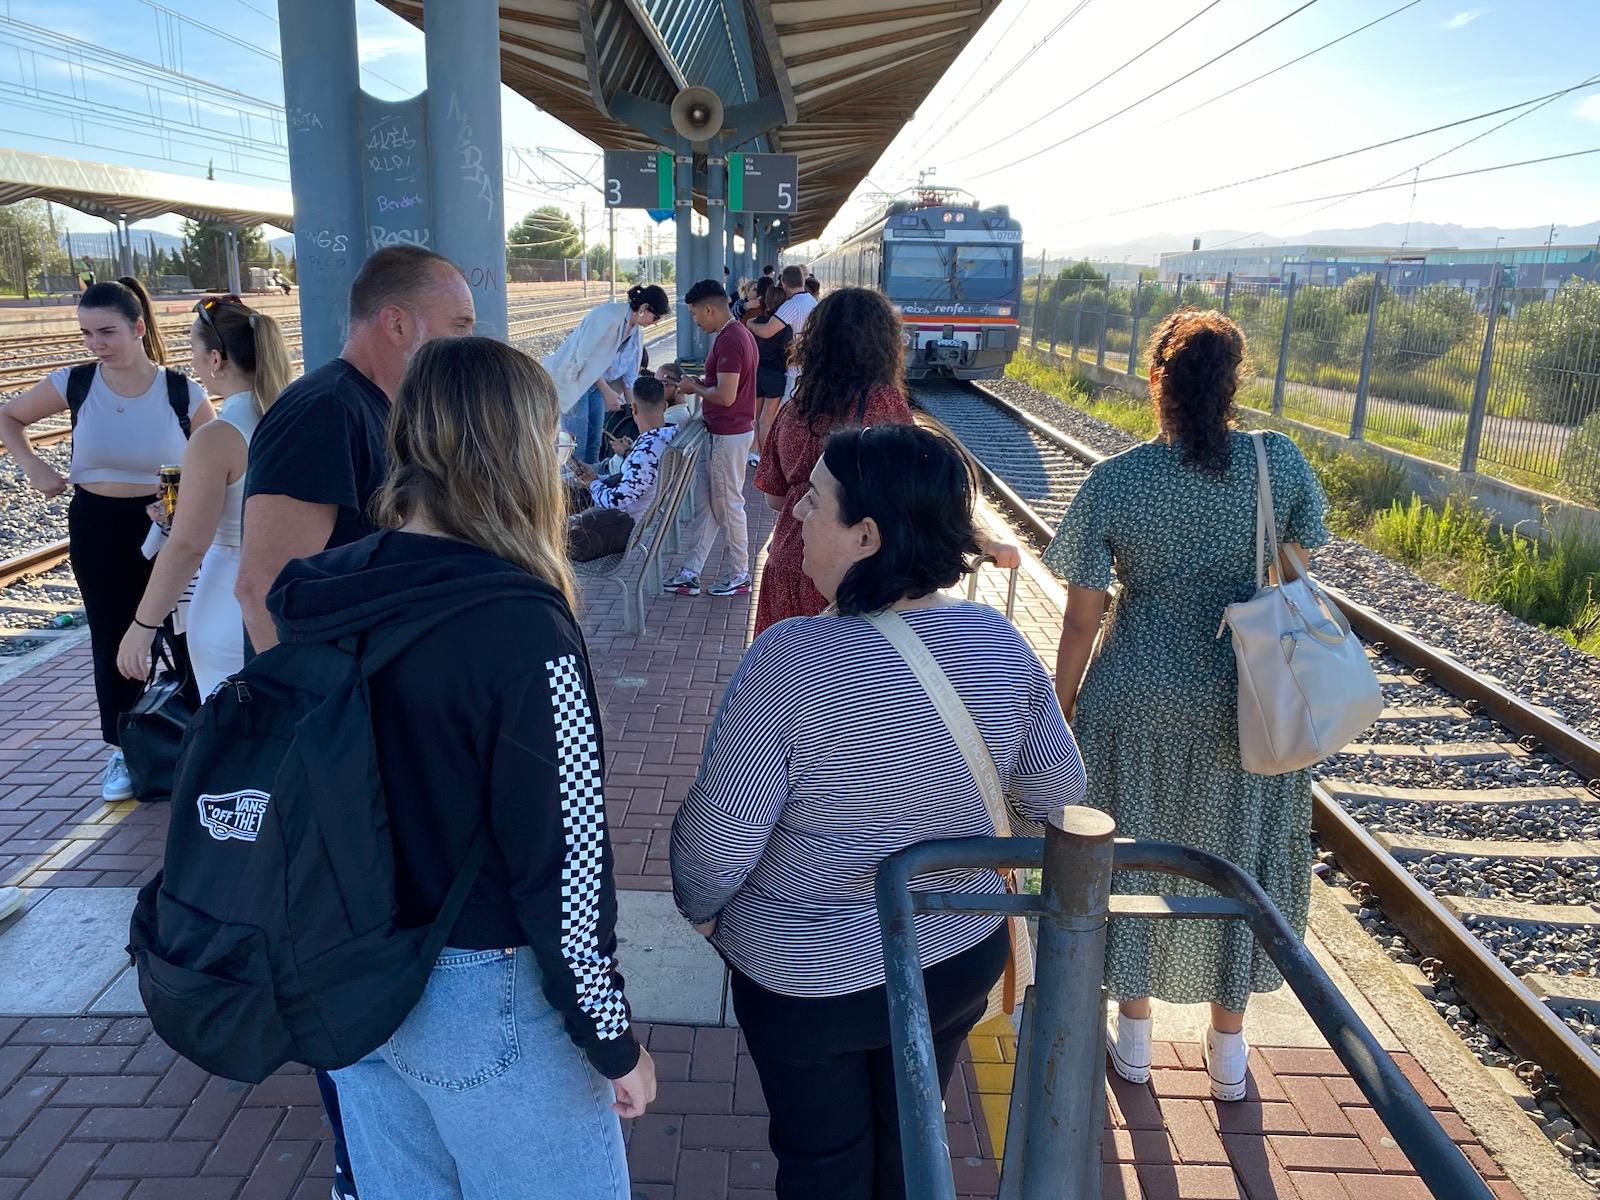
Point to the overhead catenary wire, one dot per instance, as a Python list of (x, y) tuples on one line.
[(1393, 12), (1111, 74), (1149, 96), (1526, 162), (1540, 101)]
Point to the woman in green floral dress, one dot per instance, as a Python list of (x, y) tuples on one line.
[(1156, 713)]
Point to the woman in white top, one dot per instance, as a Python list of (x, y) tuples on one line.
[(240, 354), (130, 418), (586, 360)]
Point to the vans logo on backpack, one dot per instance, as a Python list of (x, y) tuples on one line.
[(234, 814)]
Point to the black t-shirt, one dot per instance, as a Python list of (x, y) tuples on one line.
[(323, 442)]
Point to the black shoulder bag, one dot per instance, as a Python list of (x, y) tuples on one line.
[(152, 730)]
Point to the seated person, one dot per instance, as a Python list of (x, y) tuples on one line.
[(678, 410), (614, 505)]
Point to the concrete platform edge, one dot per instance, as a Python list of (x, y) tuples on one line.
[(21, 664), (1517, 1144)]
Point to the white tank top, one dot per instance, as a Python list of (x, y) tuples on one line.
[(125, 439), (238, 410)]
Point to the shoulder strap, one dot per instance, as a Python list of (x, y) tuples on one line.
[(956, 717), (79, 380), (1266, 519), (178, 397), (456, 898)]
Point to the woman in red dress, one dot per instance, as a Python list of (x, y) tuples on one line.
[(852, 363)]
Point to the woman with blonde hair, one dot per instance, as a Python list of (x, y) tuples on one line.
[(240, 354), (508, 1076)]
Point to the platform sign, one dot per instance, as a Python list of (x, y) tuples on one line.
[(394, 177), (763, 183), (638, 179)]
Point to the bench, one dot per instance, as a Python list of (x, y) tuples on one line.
[(638, 568)]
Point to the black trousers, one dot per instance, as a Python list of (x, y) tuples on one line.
[(105, 534), (827, 1071)]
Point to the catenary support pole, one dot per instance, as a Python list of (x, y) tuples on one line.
[(1358, 413), (683, 217), (465, 164), (320, 80), (1283, 348), (1473, 441), (611, 215), (235, 277)]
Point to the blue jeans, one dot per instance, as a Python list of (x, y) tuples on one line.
[(586, 422), (480, 1094)]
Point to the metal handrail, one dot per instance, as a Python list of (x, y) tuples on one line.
[(1058, 1104)]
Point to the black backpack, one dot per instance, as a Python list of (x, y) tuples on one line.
[(81, 378), (270, 935)]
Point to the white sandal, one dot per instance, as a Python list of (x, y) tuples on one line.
[(1227, 1059)]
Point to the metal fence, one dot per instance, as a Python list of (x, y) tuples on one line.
[(1499, 380)]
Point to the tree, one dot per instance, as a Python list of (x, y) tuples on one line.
[(1355, 294), (25, 235), (599, 257), (1560, 336), (546, 232), (205, 253)]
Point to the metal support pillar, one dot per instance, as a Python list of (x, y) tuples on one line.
[(611, 252), (1358, 414), (321, 76), (1064, 1041), (716, 215), (1283, 348), (235, 282), (469, 210), (1473, 441), (683, 216), (125, 247), (1227, 293), (1133, 327)]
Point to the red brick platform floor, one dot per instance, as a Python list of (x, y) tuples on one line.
[(97, 1108)]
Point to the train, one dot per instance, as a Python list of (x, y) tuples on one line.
[(952, 271)]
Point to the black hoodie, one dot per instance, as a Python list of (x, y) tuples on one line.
[(491, 713)]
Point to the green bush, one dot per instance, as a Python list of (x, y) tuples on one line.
[(1580, 461), (1425, 327), (1355, 295), (1562, 364)]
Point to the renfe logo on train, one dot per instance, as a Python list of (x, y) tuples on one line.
[(234, 814)]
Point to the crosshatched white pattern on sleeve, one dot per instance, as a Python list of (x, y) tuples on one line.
[(583, 818)]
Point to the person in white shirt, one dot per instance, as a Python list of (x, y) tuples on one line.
[(792, 315), (240, 354), (581, 365)]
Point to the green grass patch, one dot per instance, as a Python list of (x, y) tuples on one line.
[(1546, 577)]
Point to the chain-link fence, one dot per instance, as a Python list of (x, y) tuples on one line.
[(1499, 380)]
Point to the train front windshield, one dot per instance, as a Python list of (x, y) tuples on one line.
[(952, 271)]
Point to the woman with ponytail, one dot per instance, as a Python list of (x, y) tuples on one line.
[(130, 417), (239, 354)]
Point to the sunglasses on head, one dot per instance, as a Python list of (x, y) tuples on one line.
[(207, 308)]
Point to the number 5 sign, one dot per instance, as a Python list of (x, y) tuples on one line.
[(763, 183)]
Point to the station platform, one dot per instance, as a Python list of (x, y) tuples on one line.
[(94, 1107)]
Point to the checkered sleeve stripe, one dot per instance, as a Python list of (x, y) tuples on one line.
[(583, 819)]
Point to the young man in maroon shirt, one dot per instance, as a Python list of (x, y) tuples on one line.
[(728, 404)]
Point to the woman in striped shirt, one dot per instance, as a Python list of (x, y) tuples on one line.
[(827, 757)]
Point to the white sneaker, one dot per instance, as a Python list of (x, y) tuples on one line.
[(117, 784), (1227, 1058), (1128, 1042), (10, 901)]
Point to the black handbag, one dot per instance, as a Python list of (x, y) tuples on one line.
[(152, 730)]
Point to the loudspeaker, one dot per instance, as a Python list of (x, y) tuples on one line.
[(697, 115)]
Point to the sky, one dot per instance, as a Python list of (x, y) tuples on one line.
[(1132, 176)]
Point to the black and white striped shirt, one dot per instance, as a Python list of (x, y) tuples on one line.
[(827, 757)]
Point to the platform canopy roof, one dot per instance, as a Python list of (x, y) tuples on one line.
[(103, 190), (848, 74)]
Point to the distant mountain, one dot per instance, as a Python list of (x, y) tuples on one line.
[(1421, 235)]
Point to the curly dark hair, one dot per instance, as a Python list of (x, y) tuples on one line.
[(918, 486), (851, 345), (1195, 360)]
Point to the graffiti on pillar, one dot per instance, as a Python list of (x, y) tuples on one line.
[(394, 156), (303, 120), (487, 279), (473, 171)]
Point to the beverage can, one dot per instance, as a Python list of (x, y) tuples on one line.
[(167, 489)]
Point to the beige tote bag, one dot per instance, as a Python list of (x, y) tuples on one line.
[(1306, 688), (1018, 975)]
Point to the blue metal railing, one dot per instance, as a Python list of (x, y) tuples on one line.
[(1058, 1092)]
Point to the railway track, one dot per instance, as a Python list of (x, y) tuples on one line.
[(1453, 753), (25, 358)]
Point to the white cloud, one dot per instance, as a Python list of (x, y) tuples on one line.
[(372, 47), (1589, 110), (1466, 17)]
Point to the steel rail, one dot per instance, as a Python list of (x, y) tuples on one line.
[(1521, 1019), (33, 562)]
